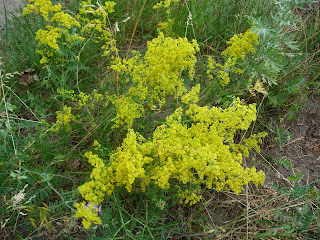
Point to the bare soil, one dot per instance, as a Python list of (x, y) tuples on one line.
[(10, 6), (300, 154)]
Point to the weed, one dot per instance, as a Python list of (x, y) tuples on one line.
[(151, 97)]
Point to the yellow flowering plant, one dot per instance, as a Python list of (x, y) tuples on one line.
[(150, 78), (194, 149), (153, 77), (241, 45), (59, 33), (198, 152), (63, 32), (64, 118), (93, 18), (142, 124), (166, 26), (84, 106)]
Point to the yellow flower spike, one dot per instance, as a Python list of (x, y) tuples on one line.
[(155, 76), (89, 214), (127, 111), (64, 20), (109, 6), (64, 118), (189, 197), (96, 145), (224, 77), (44, 60), (44, 7), (240, 46)]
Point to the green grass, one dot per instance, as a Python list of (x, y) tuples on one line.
[(51, 166)]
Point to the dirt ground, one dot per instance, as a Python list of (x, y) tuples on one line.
[(9, 5), (300, 152)]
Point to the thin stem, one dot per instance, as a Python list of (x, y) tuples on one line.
[(135, 27), (7, 116)]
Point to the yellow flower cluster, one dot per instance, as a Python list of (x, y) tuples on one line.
[(163, 26), (64, 118), (48, 39), (172, 55), (93, 191), (202, 153), (167, 26), (89, 214), (43, 7), (97, 145), (83, 101), (93, 18), (152, 77), (178, 151), (165, 3), (188, 196), (68, 94), (155, 76), (240, 46), (192, 96), (127, 111), (64, 20)]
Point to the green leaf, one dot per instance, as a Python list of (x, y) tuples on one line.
[(12, 174), (267, 221), (287, 233), (22, 177), (269, 233), (60, 157), (292, 178)]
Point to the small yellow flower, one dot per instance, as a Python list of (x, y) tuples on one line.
[(165, 3), (240, 46), (64, 20), (64, 118), (192, 96), (49, 37), (89, 214)]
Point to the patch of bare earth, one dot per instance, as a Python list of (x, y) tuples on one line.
[(300, 154), (7, 7)]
